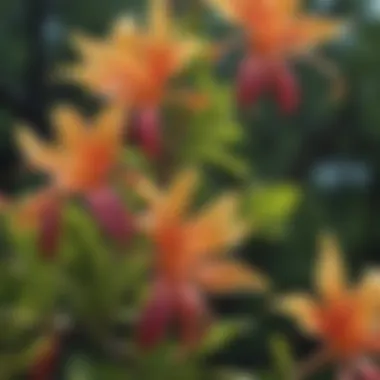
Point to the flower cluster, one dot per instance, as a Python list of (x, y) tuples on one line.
[(132, 69)]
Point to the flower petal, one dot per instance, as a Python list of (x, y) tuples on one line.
[(215, 229), (156, 316), (69, 126), (310, 31), (37, 153), (159, 17), (302, 308), (369, 293), (229, 276), (111, 214), (110, 125), (177, 199), (330, 270)]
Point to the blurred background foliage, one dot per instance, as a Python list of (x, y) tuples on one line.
[(318, 169)]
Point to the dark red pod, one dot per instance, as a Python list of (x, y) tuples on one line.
[(46, 364), (50, 226), (252, 80), (156, 317), (145, 131), (285, 87), (111, 214)]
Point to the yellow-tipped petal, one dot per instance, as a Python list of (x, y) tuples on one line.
[(312, 31), (226, 8), (224, 276), (87, 46), (144, 187), (330, 271), (124, 27), (369, 289), (36, 152), (69, 126), (111, 125), (302, 308), (216, 228), (159, 17), (178, 197)]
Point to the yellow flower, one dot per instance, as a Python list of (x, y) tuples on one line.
[(133, 65), (83, 156), (344, 317), (278, 27)]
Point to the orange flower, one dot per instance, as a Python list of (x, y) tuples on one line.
[(81, 162), (276, 30), (344, 317), (133, 66), (190, 256), (84, 156)]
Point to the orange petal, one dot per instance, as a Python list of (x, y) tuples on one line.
[(225, 276), (178, 197), (216, 228), (69, 126), (302, 308), (36, 152), (330, 271), (111, 124), (310, 31)]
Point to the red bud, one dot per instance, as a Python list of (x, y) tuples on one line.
[(156, 317), (111, 214), (192, 314), (285, 87), (50, 227), (252, 80), (145, 131), (45, 366)]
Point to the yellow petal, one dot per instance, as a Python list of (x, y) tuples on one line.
[(144, 187), (224, 276), (124, 27), (330, 271), (159, 18), (369, 289), (301, 308), (111, 124), (178, 198), (311, 31), (216, 228), (36, 152), (69, 126), (86, 46)]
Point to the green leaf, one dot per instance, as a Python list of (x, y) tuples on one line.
[(79, 368), (271, 207), (282, 357), (220, 334)]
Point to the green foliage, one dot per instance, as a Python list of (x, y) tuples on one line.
[(270, 207), (101, 284), (212, 134)]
